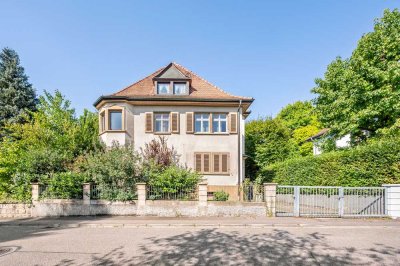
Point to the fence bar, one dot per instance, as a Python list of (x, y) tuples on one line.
[(341, 202), (296, 205)]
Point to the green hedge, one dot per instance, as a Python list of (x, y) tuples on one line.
[(373, 164)]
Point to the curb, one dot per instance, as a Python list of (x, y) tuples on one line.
[(154, 225)]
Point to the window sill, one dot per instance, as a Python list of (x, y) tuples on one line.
[(210, 133), (112, 131), (162, 133), (226, 174)]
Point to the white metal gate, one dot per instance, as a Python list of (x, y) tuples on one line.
[(324, 201)]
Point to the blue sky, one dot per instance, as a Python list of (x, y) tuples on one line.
[(270, 50)]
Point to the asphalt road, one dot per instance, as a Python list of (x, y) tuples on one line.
[(325, 243)]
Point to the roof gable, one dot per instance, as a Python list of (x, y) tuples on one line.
[(199, 87), (171, 72)]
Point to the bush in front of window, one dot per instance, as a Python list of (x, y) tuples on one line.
[(221, 196)]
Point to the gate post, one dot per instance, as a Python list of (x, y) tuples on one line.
[(392, 200), (141, 191), (35, 192), (86, 193), (341, 201), (203, 194), (270, 198), (296, 201)]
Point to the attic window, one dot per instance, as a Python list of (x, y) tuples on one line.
[(163, 88), (180, 88)]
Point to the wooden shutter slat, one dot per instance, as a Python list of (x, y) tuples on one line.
[(233, 123), (174, 122), (189, 123), (149, 123), (198, 162), (224, 164), (206, 163), (216, 162)]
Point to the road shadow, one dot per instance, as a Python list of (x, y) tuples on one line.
[(22, 228), (215, 247)]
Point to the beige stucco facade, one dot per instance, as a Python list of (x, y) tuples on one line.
[(186, 144)]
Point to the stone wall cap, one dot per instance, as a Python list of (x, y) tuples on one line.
[(142, 183), (391, 185), (203, 183)]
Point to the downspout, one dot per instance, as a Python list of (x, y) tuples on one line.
[(239, 147)]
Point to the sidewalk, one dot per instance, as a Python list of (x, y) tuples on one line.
[(154, 222)]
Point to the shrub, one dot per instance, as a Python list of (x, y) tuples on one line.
[(373, 164), (115, 170), (157, 151), (65, 185), (221, 196), (171, 179)]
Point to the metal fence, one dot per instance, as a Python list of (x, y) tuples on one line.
[(94, 192), (366, 202), (171, 193), (253, 192), (324, 201), (284, 201)]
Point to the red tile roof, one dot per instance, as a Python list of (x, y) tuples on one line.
[(199, 87)]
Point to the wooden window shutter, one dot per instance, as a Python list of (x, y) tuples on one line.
[(149, 123), (174, 122), (216, 162), (225, 163), (189, 123), (197, 162), (233, 123), (206, 163)]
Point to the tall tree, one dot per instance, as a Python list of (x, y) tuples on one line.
[(301, 118), (16, 93), (299, 114), (362, 93), (267, 141)]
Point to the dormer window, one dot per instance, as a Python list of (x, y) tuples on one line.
[(163, 88), (172, 88), (180, 88)]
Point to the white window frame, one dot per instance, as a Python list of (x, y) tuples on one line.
[(110, 111), (165, 118), (202, 120), (219, 120), (164, 83), (180, 83)]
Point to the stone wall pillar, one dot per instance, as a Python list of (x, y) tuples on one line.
[(141, 191), (392, 200), (86, 193), (270, 198), (35, 192), (203, 194)]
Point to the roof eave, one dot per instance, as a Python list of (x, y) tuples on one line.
[(186, 99)]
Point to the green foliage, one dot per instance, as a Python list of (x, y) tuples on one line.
[(372, 164), (16, 93), (267, 141), (115, 170), (299, 114), (47, 143), (171, 178), (66, 185), (301, 134), (221, 196), (363, 92)]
